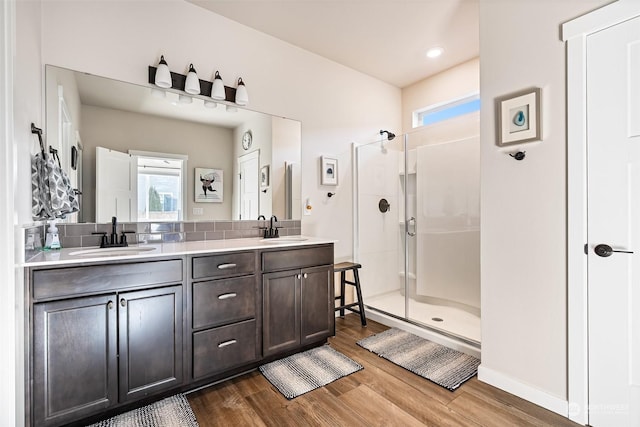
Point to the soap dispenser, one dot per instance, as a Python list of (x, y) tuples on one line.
[(53, 239)]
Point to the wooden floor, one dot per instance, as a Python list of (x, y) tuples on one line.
[(382, 394)]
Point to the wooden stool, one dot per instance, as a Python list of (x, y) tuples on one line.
[(342, 267)]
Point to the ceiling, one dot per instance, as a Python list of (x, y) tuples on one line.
[(386, 39)]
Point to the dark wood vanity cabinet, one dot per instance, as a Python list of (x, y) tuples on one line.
[(106, 334), (225, 333), (149, 341), (110, 344), (75, 365), (297, 301)]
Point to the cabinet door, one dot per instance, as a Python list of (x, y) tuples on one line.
[(281, 311), (75, 360), (150, 341), (317, 296)]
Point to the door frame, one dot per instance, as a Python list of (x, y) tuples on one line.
[(574, 34), (11, 368)]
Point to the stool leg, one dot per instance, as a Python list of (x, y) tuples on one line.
[(363, 319), (342, 284)]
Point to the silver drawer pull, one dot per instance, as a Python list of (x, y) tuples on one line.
[(227, 296), (226, 343), (226, 266)]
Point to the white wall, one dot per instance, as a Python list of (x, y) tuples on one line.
[(523, 205), (454, 83), (336, 105)]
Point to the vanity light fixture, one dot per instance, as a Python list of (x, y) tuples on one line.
[(163, 75), (210, 104), (231, 109), (242, 97), (192, 84), (217, 91)]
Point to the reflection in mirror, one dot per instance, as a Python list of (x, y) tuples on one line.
[(138, 149)]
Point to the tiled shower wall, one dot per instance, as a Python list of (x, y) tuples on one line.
[(89, 234)]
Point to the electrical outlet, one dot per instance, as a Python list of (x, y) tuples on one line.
[(198, 211)]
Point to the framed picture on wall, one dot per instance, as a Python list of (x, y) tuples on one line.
[(329, 168), (208, 185), (519, 117), (264, 176)]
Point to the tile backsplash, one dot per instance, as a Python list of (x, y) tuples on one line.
[(89, 234)]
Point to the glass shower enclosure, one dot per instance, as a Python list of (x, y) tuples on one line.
[(418, 231)]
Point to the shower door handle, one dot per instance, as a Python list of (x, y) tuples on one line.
[(411, 221)]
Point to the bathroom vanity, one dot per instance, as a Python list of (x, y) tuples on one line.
[(108, 331)]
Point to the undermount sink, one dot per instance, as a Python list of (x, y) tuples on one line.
[(284, 239), (129, 250)]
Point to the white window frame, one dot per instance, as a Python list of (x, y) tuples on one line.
[(183, 172), (434, 108)]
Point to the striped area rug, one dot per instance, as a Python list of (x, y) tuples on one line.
[(302, 372), (444, 366), (173, 411)]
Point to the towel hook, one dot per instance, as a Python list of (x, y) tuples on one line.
[(519, 155)]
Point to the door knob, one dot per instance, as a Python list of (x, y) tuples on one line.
[(606, 250)]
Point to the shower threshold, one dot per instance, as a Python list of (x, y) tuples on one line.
[(448, 321)]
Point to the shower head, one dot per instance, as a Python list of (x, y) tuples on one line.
[(390, 135)]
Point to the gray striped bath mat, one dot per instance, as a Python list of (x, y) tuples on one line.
[(444, 366), (173, 411), (306, 371)]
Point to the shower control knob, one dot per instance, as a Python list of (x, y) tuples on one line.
[(606, 250), (383, 205)]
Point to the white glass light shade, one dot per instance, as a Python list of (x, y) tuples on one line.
[(242, 97), (192, 84), (163, 75), (218, 92)]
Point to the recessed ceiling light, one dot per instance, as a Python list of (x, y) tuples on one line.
[(434, 52)]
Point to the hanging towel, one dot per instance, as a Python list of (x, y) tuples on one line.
[(52, 195)]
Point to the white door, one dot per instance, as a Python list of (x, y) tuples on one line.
[(116, 183), (613, 152), (248, 165)]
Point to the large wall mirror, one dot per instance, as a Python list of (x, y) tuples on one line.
[(145, 154)]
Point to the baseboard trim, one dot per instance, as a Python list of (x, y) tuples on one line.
[(526, 392)]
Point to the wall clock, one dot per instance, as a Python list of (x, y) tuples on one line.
[(247, 139)]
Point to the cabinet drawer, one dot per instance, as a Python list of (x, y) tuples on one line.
[(297, 258), (216, 302), (223, 265), (215, 350), (61, 282)]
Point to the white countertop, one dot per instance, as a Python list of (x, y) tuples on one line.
[(93, 254)]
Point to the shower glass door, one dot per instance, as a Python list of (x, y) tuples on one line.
[(421, 257)]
